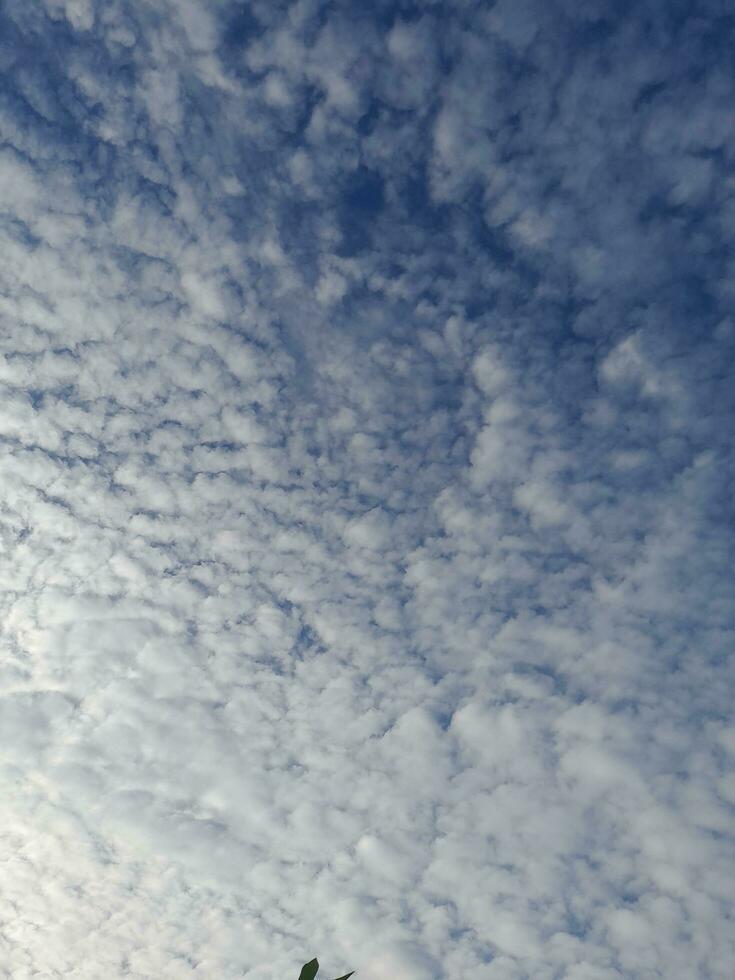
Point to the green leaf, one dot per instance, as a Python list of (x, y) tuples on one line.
[(309, 970), (346, 976)]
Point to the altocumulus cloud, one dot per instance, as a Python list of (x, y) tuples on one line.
[(367, 489)]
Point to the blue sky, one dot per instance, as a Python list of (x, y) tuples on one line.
[(367, 473)]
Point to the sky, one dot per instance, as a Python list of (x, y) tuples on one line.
[(366, 489)]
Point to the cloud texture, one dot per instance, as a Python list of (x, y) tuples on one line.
[(367, 471)]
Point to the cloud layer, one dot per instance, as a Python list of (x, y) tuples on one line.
[(367, 489)]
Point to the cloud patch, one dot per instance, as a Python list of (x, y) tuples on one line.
[(366, 517)]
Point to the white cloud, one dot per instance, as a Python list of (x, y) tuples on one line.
[(365, 578)]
